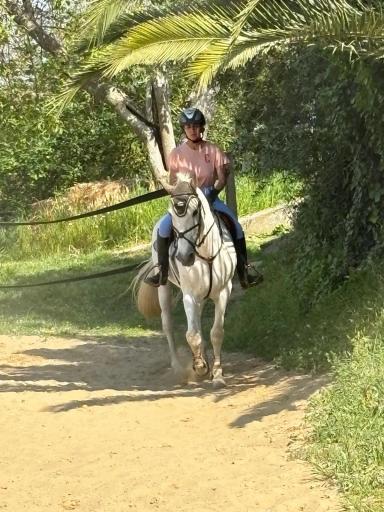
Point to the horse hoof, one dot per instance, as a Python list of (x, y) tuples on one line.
[(219, 383), (202, 369)]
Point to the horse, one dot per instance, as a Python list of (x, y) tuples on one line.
[(202, 264)]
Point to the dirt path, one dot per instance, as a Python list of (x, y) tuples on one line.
[(98, 425)]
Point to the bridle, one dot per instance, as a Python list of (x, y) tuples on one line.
[(180, 207)]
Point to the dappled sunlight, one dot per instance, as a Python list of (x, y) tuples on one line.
[(110, 412), (89, 370)]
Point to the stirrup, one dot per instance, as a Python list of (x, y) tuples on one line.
[(250, 280), (158, 279), (153, 280)]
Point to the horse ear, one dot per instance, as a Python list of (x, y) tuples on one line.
[(169, 188)]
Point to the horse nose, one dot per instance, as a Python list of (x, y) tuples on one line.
[(187, 259)]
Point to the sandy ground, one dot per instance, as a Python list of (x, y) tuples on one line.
[(100, 425)]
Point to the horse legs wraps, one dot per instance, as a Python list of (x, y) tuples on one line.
[(246, 279), (163, 260)]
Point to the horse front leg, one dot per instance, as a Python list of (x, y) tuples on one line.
[(217, 336), (194, 337), (165, 301)]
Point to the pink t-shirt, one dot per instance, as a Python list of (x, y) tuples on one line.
[(204, 163)]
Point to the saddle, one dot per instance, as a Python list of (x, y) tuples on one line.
[(228, 223)]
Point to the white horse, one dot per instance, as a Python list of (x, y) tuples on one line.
[(202, 264)]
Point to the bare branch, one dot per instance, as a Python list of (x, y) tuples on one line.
[(25, 18)]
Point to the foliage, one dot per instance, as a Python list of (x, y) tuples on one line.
[(39, 154), (321, 118)]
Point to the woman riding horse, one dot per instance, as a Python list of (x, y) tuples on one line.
[(208, 165)]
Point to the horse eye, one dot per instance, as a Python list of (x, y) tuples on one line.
[(195, 213)]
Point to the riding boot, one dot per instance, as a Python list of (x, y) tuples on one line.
[(246, 278), (163, 260)]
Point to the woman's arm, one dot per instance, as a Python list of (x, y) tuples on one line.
[(222, 168)]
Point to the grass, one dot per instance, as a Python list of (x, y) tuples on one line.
[(270, 320), (127, 227), (98, 306), (347, 420), (256, 193)]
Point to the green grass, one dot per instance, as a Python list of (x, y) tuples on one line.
[(255, 193), (271, 323), (347, 441), (98, 306), (127, 227)]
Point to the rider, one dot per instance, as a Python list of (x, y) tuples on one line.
[(209, 165)]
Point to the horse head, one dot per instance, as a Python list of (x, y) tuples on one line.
[(187, 208)]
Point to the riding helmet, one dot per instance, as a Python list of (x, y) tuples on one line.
[(192, 116)]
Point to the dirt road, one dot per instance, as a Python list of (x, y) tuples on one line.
[(100, 425)]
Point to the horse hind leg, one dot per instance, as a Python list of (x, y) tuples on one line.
[(217, 336), (165, 300)]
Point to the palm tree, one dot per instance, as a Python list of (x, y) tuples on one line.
[(210, 38)]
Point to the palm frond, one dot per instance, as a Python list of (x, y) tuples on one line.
[(228, 34), (173, 38), (100, 15), (70, 89), (155, 41), (127, 22), (334, 24), (243, 53), (60, 101), (119, 28), (242, 17), (208, 63)]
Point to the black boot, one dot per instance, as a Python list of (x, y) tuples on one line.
[(246, 278), (163, 258)]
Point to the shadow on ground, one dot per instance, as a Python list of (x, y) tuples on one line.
[(138, 368)]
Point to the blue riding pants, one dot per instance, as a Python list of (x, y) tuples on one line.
[(165, 226)]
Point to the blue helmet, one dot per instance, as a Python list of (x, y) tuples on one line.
[(192, 116)]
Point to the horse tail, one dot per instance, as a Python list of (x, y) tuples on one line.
[(145, 295)]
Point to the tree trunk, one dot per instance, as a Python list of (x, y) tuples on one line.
[(161, 97)]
